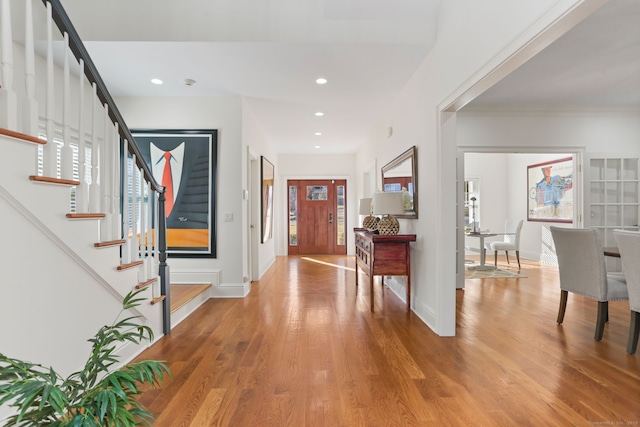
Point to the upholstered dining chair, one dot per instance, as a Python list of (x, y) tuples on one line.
[(629, 246), (583, 271), (511, 242)]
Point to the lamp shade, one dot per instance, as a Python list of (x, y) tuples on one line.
[(387, 203), (365, 206)]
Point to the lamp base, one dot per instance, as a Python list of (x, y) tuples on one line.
[(370, 223), (388, 225)]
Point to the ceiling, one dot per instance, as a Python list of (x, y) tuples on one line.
[(269, 52), (272, 52), (597, 63)]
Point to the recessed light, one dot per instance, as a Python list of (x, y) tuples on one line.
[(316, 146), (156, 81), (319, 114), (321, 81), (318, 133)]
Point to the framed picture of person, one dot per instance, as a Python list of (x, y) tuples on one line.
[(550, 194), (185, 163)]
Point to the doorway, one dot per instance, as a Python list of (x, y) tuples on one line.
[(500, 181), (317, 216)]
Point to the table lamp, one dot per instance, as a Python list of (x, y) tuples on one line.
[(387, 204), (369, 222)]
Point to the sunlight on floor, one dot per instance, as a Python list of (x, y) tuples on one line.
[(327, 263)]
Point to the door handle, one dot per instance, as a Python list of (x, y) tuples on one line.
[(330, 218)]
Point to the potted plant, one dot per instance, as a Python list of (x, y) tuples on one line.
[(98, 395)]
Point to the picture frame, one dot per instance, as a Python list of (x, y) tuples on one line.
[(267, 177), (191, 218), (401, 175), (550, 191)]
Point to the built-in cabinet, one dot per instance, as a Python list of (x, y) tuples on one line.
[(613, 200), (613, 196)]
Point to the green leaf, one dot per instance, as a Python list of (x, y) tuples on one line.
[(93, 396)]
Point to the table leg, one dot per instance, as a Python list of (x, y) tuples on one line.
[(356, 274), (409, 290), (482, 265), (371, 288)]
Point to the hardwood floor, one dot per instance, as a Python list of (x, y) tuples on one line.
[(303, 349)]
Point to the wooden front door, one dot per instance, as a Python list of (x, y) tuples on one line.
[(317, 216)]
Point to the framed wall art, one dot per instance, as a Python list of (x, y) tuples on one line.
[(550, 191), (267, 175), (185, 162)]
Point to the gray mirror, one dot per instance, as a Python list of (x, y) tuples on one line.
[(401, 175)]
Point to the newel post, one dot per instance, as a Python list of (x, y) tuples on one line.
[(163, 268)]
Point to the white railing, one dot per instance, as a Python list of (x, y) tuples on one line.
[(88, 147)]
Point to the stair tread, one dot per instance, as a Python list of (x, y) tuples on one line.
[(22, 136), (181, 294), (147, 283), (109, 243), (158, 299), (131, 264), (50, 180), (85, 215)]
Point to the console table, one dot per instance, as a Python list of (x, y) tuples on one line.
[(384, 255)]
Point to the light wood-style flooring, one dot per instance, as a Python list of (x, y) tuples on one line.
[(303, 349)]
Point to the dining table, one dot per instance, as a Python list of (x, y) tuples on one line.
[(481, 235)]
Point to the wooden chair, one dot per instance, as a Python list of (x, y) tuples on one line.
[(583, 271), (629, 246)]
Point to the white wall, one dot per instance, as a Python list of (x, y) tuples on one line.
[(257, 145), (225, 115), (317, 166), (464, 55), (598, 131), (491, 171)]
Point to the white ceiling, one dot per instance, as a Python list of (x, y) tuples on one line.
[(597, 63), (271, 52)]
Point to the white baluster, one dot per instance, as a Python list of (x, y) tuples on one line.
[(8, 98), (94, 188), (151, 199), (116, 220), (141, 214), (105, 171), (82, 192), (111, 170), (144, 245), (105, 163), (156, 238), (134, 210), (66, 152), (50, 150), (30, 109), (126, 252)]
